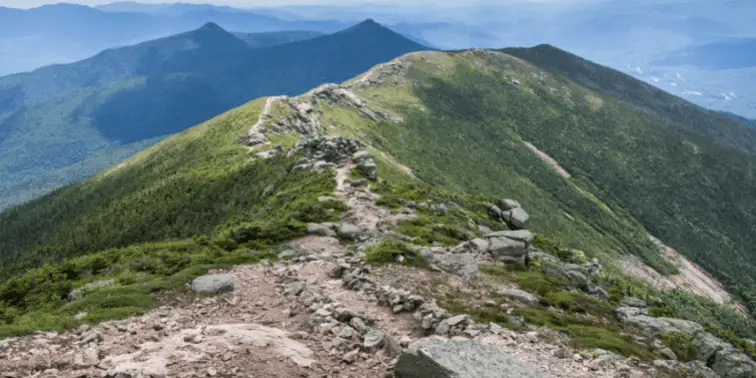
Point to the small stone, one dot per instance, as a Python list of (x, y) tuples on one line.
[(358, 324), (350, 357), (405, 341), (495, 328), (456, 320), (212, 372), (373, 340), (347, 332)]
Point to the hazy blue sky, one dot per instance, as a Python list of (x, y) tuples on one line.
[(239, 3)]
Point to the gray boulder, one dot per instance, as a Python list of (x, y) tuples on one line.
[(461, 264), (350, 231), (520, 295), (506, 247), (320, 230), (479, 245), (724, 359), (213, 283), (92, 286), (524, 236), (517, 218), (494, 212), (732, 363), (366, 164), (507, 204), (432, 357), (577, 275)]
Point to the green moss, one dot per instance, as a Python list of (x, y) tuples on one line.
[(586, 335), (389, 251), (681, 344), (425, 232), (505, 271), (579, 303), (537, 282)]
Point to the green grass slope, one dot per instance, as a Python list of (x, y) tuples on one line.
[(465, 123), (146, 223)]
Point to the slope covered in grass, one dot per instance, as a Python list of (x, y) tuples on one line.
[(467, 115)]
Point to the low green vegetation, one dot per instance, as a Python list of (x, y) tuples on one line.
[(38, 299), (721, 321), (449, 227), (190, 203), (588, 321), (393, 251), (680, 344)]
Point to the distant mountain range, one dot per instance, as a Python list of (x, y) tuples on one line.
[(54, 121), (63, 33), (733, 54)]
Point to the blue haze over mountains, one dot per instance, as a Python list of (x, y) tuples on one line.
[(94, 102)]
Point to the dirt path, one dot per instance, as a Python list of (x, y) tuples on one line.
[(264, 114)]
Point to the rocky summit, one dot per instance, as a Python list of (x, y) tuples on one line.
[(400, 224)]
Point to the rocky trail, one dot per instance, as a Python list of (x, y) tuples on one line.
[(322, 311)]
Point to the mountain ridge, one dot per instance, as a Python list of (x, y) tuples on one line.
[(422, 161), (136, 98)]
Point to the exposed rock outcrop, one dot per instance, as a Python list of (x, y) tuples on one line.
[(213, 283), (511, 212), (439, 358)]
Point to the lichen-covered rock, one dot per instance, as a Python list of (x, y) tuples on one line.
[(461, 264), (506, 247), (732, 363), (517, 218), (520, 295), (507, 204), (432, 357), (524, 236), (366, 164), (213, 283)]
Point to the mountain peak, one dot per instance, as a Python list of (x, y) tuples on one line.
[(369, 23), (212, 26)]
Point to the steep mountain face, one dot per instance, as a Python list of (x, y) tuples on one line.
[(478, 170), (59, 118)]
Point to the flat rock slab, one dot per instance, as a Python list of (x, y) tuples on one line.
[(438, 358), (520, 235), (213, 283)]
